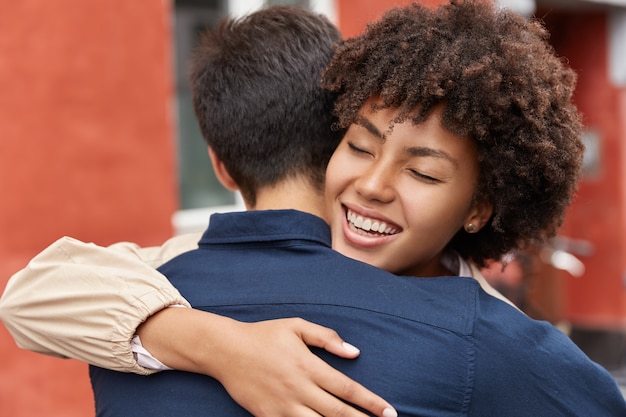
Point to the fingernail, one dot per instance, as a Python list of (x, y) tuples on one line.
[(390, 412), (352, 349)]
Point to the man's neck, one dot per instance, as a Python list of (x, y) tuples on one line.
[(293, 193)]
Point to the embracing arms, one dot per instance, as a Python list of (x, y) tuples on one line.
[(87, 302)]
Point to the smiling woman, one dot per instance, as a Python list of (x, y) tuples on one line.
[(417, 180), (484, 89)]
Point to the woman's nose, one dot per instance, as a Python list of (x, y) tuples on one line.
[(376, 183)]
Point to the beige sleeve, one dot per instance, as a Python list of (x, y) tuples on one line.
[(84, 301)]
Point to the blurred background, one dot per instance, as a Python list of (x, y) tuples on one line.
[(98, 141)]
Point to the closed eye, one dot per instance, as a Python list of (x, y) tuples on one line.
[(356, 149), (424, 177)]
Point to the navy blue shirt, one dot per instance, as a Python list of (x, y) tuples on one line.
[(431, 347)]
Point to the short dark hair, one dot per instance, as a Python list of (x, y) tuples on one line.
[(258, 100), (501, 84)]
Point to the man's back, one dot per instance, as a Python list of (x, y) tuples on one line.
[(421, 339)]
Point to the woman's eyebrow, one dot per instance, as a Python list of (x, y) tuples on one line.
[(435, 153), (369, 126)]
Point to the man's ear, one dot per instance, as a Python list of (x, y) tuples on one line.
[(478, 216), (221, 173)]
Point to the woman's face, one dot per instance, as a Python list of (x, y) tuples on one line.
[(395, 199)]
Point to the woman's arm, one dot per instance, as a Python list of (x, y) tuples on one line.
[(86, 302)]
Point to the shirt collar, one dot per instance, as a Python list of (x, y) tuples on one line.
[(264, 226)]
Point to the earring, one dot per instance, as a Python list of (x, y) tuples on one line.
[(470, 228)]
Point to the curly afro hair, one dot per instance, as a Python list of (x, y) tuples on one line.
[(501, 85)]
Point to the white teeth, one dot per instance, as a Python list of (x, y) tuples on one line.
[(368, 225), (358, 222)]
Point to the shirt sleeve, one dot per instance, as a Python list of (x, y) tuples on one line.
[(84, 301)]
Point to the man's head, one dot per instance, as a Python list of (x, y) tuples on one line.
[(257, 96)]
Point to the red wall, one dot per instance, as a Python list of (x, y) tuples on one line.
[(598, 298), (86, 149), (353, 19)]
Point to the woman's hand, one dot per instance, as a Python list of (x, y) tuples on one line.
[(265, 366)]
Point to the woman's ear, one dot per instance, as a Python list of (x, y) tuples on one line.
[(479, 215), (221, 173)]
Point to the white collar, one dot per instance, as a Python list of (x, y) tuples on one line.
[(454, 263)]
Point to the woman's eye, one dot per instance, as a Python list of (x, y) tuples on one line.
[(424, 177), (356, 149)]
